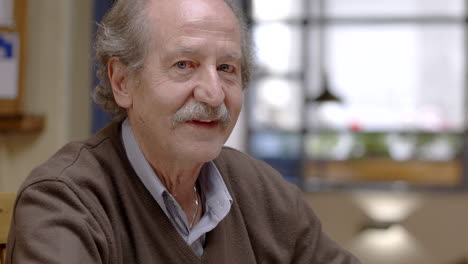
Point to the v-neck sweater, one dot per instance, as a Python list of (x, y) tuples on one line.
[(87, 205)]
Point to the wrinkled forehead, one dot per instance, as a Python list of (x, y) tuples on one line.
[(210, 15)]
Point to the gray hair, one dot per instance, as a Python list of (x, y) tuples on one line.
[(123, 33)]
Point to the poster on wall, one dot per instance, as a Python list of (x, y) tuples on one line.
[(9, 65), (6, 13)]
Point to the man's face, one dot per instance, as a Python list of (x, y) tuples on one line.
[(195, 58)]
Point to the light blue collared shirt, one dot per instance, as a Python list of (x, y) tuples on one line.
[(215, 195)]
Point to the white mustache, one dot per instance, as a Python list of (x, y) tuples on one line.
[(194, 110)]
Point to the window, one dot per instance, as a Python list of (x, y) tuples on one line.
[(397, 69)]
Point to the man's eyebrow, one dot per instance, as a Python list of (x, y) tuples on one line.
[(232, 55)]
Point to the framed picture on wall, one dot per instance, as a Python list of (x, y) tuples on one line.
[(12, 56)]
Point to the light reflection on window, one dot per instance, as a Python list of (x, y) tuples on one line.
[(382, 8), (404, 77), (277, 104), (264, 10), (278, 47)]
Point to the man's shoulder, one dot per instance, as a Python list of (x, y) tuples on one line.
[(250, 177), (234, 161), (75, 161)]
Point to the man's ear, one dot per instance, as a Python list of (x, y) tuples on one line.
[(120, 81)]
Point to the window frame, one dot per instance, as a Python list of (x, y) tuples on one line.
[(323, 21)]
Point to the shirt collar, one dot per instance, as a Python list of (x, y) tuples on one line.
[(141, 165)]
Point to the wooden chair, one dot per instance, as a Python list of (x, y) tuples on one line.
[(7, 201)]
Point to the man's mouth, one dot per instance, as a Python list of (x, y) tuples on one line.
[(204, 123)]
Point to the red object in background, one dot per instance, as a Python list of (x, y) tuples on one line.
[(355, 126)]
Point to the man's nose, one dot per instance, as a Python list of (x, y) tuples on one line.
[(209, 89)]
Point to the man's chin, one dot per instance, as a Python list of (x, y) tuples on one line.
[(208, 153)]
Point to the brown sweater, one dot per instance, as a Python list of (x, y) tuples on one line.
[(86, 205)]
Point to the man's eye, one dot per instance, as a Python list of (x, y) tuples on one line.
[(182, 65), (226, 68)]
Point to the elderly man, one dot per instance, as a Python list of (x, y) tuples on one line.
[(156, 185)]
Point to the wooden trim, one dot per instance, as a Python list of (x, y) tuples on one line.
[(2, 253), (439, 173), (22, 123), (7, 201), (15, 106), (9, 107)]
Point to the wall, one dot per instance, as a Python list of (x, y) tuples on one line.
[(57, 85)]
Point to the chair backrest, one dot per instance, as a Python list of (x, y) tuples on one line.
[(7, 201)]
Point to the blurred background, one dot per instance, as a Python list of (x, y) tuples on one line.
[(361, 103)]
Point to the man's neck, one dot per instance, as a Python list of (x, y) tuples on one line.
[(177, 178), (181, 185)]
